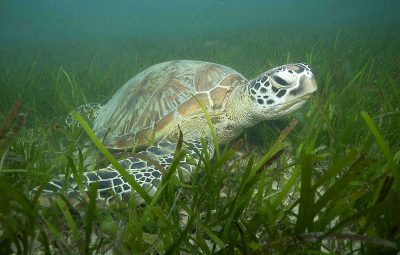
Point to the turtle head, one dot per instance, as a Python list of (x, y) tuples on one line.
[(281, 90)]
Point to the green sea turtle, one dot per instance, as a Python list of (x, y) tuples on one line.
[(166, 99)]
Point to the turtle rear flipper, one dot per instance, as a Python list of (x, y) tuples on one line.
[(147, 167), (88, 111)]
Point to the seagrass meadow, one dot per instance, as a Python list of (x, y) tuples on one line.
[(323, 180)]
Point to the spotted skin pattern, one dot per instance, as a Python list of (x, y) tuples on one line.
[(88, 111), (268, 90), (141, 167)]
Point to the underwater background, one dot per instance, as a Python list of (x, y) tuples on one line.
[(26, 22), (329, 185), (84, 37), (249, 36)]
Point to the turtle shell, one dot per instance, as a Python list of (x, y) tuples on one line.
[(156, 100)]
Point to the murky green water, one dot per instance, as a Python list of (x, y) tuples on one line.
[(104, 43), (334, 176), (34, 22)]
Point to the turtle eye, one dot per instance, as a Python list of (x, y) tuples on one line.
[(280, 81)]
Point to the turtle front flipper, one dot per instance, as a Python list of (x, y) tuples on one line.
[(147, 167)]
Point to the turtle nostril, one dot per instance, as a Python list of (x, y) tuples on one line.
[(300, 70)]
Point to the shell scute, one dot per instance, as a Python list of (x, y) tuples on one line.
[(166, 97), (155, 101), (217, 96), (208, 76), (231, 79), (191, 106)]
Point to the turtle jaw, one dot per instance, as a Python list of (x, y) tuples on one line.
[(283, 109), (292, 106)]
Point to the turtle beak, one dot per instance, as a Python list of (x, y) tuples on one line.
[(306, 86), (309, 83)]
